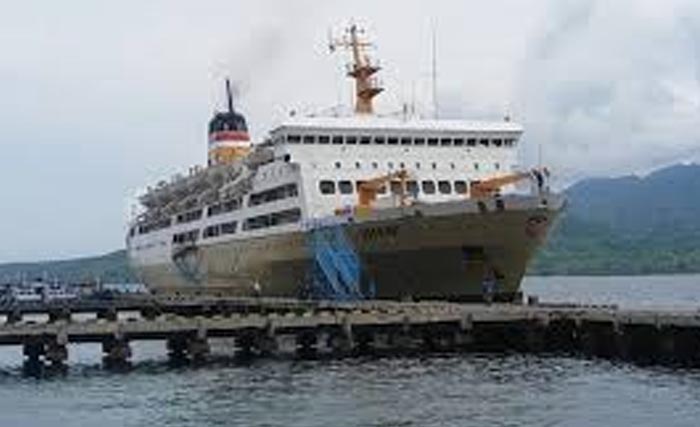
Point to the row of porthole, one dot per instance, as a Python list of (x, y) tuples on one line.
[(402, 165), (328, 187), (395, 140)]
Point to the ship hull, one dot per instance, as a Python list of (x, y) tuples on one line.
[(441, 251)]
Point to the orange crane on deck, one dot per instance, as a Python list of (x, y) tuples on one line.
[(368, 190), (492, 186)]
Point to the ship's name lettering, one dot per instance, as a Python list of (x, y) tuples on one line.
[(379, 233)]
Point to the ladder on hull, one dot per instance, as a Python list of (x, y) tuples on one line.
[(336, 269)]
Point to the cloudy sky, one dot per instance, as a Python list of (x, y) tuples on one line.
[(98, 99)]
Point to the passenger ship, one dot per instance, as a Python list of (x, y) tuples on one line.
[(352, 206)]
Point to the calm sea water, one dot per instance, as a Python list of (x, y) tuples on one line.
[(460, 390)]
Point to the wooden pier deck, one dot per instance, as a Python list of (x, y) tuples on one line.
[(260, 328)]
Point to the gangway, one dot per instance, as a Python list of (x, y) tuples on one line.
[(336, 269)]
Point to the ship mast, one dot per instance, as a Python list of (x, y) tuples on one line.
[(361, 69)]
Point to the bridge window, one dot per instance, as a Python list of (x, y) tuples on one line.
[(484, 142), (428, 187), (459, 142), (460, 187), (419, 141), (405, 141), (345, 187), (379, 140), (293, 139), (324, 139), (337, 139), (471, 142), (432, 141), (446, 142), (309, 139), (509, 142), (393, 141), (364, 140), (444, 187), (497, 142), (351, 140), (327, 187)]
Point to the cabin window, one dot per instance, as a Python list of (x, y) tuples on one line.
[(434, 165), (432, 141), (459, 142), (326, 187), (324, 139), (337, 165), (419, 141), (309, 139), (337, 139), (417, 165), (212, 231), (444, 187), (390, 165), (402, 165), (392, 141), (428, 187), (365, 140), (497, 142), (285, 217), (460, 187), (452, 165), (497, 166), (229, 227), (375, 165), (379, 140), (273, 194), (351, 140), (445, 142), (484, 142), (405, 141), (471, 142), (189, 216), (345, 187), (476, 166), (412, 187), (357, 165), (358, 184), (293, 139), (396, 187)]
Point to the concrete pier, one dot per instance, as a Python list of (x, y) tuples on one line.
[(343, 330)]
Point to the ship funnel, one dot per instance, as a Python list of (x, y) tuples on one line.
[(228, 134)]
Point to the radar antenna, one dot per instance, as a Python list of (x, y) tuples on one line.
[(361, 69)]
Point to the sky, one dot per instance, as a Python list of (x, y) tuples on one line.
[(100, 99)]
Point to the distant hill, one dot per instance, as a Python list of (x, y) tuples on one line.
[(628, 225), (110, 268)]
